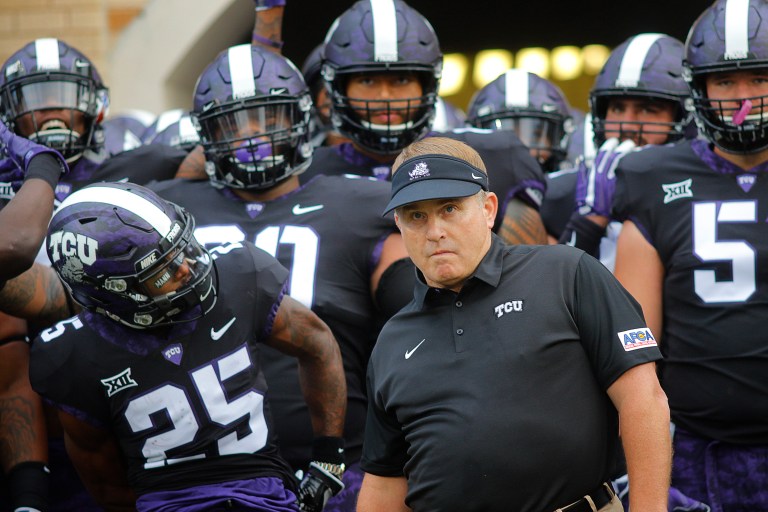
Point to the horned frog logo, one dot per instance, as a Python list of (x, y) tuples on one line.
[(72, 270)]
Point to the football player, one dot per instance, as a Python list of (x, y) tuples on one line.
[(157, 381), (693, 252), (532, 107), (382, 66), (52, 94), (638, 98), (253, 111)]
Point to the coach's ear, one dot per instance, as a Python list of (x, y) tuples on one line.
[(491, 206)]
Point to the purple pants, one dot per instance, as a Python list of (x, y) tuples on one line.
[(265, 494), (728, 477)]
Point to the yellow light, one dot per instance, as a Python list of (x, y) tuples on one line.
[(566, 62), (534, 60), (455, 67), (489, 64), (594, 56)]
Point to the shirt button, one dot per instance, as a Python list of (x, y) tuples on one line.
[(459, 304), (459, 331)]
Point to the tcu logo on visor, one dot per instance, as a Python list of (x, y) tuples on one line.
[(64, 243)]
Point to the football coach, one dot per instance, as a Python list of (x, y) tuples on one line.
[(515, 372)]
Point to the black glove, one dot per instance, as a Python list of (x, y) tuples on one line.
[(321, 481)]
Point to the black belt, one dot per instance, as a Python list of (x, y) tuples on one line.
[(591, 502)]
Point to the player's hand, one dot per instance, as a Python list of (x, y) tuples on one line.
[(20, 151), (595, 187), (321, 481)]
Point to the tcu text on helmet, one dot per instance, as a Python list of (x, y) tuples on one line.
[(64, 243)]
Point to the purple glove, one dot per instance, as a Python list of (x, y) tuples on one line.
[(595, 186), (679, 502), (263, 5), (18, 151)]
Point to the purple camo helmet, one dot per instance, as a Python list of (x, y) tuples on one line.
[(252, 111), (116, 246), (382, 36), (729, 36), (645, 66), (532, 107), (46, 87)]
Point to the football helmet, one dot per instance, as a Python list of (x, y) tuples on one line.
[(729, 36), (252, 111), (52, 94), (534, 108), (447, 116), (180, 134), (648, 66), (382, 36), (115, 245)]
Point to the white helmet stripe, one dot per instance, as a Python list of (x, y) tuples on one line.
[(634, 58), (516, 87), (384, 30), (241, 71), (187, 130), (736, 29), (47, 51), (137, 205), (167, 118)]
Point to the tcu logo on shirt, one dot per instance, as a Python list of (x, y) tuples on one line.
[(508, 307), (64, 243)]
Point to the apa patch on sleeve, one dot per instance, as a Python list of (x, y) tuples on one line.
[(636, 338)]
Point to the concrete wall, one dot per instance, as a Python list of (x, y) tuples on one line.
[(154, 63)]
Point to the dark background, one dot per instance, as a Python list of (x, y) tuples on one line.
[(470, 26)]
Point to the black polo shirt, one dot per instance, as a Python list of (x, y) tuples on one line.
[(494, 398)]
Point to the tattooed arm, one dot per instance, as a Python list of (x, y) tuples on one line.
[(297, 331), (522, 225), (37, 295)]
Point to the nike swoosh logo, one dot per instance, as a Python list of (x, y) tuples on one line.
[(409, 353), (215, 335), (476, 177), (301, 210)]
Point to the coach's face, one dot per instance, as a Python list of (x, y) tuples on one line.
[(447, 238)]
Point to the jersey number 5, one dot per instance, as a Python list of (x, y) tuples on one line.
[(708, 248)]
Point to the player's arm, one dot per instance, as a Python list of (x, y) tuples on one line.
[(297, 331), (644, 422), (23, 439), (382, 494), (193, 165), (268, 24), (640, 270), (96, 455), (38, 295), (522, 224)]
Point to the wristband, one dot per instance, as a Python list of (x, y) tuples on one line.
[(263, 5), (46, 167), (266, 41), (328, 449)]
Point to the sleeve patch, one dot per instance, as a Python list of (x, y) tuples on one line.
[(636, 338)]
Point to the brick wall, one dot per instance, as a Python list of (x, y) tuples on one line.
[(88, 25)]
